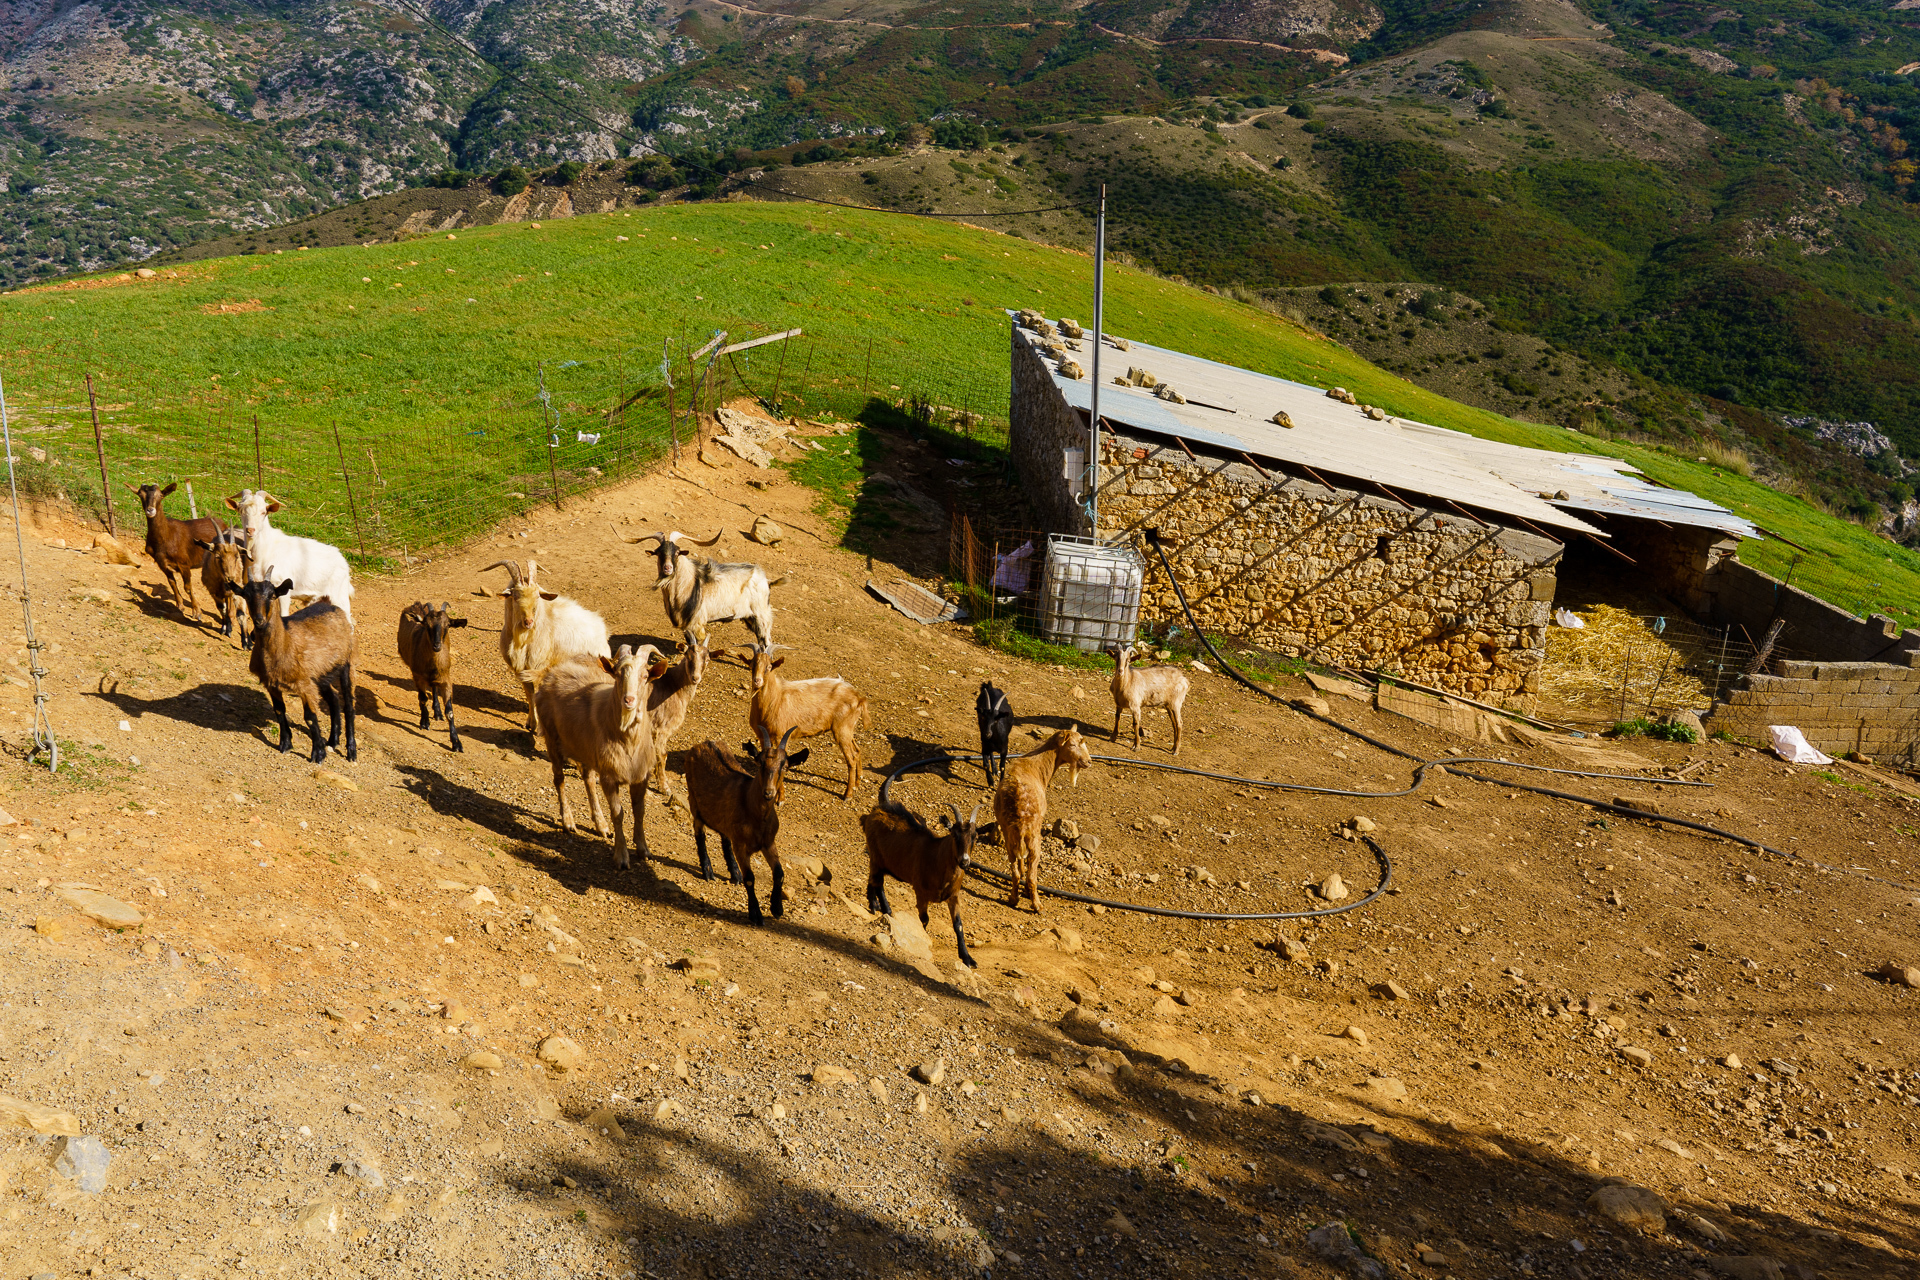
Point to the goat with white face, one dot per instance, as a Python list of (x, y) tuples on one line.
[(697, 592), (1136, 688), (314, 568), (541, 630), (593, 711)]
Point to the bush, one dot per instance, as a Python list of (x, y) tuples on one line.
[(1314, 126), (451, 179), (510, 181), (814, 155), (1662, 730), (568, 172), (1300, 110), (1497, 108), (959, 135)]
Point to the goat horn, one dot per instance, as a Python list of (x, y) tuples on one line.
[(783, 739), (513, 570), (710, 541), (656, 536), (973, 815), (956, 815)]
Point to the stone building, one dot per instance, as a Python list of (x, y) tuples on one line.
[(1312, 525)]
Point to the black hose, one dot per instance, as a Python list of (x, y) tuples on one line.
[(1379, 854), (1153, 540)]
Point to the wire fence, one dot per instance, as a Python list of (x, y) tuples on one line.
[(385, 490)]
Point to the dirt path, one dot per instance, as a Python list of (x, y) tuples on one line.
[(275, 1060)]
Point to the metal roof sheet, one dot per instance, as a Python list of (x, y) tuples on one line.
[(1232, 408)]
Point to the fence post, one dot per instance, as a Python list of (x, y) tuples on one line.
[(100, 449), (353, 507), (259, 470), (866, 379), (779, 374), (807, 373)]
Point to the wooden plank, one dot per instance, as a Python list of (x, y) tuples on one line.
[(758, 342)]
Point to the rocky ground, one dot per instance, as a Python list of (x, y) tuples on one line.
[(385, 1019)]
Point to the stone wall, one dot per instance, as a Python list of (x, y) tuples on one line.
[(1678, 562), (1041, 427), (1744, 595), (1873, 707), (1347, 579)]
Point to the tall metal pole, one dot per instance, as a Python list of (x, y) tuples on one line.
[(42, 729), (100, 449), (1099, 297)]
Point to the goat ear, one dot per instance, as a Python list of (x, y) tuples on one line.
[(169, 489), (799, 757), (776, 662), (199, 543), (456, 622), (283, 588), (229, 501), (606, 664), (549, 595), (134, 487)]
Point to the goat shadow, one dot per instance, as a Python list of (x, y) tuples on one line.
[(466, 697), (215, 706), (156, 602), (584, 862)]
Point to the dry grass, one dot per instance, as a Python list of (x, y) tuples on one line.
[(1585, 669), (1726, 457)]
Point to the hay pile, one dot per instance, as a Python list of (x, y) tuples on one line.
[(1585, 668)]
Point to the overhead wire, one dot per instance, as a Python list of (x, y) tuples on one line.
[(650, 149)]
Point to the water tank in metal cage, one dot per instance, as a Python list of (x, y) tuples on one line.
[(1090, 593)]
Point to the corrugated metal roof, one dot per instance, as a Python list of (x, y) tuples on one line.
[(1591, 482), (1232, 408)]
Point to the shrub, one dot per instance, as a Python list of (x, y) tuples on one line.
[(568, 172), (510, 181), (959, 135), (1726, 457), (1663, 730), (1300, 110), (1497, 108)]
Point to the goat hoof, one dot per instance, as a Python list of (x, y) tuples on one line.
[(423, 723), (458, 747)]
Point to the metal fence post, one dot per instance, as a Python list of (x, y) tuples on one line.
[(352, 507)]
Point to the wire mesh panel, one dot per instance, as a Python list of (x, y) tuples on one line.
[(1090, 594)]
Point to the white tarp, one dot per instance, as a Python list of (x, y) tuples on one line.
[(1792, 746)]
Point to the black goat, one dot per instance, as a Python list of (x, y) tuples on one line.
[(996, 725)]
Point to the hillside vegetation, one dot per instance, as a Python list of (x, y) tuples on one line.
[(436, 340)]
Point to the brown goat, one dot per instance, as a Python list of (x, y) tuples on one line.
[(806, 707), (1020, 805), (177, 546), (901, 845), (593, 711), (743, 806), (226, 562), (667, 704), (428, 653), (309, 653)]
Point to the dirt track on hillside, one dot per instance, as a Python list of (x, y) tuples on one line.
[(317, 965)]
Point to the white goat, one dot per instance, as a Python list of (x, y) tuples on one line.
[(1135, 689), (540, 630), (315, 569), (696, 591)]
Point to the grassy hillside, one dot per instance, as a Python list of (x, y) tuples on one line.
[(430, 354)]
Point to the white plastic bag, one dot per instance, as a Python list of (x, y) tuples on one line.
[(1792, 746), (1569, 619)]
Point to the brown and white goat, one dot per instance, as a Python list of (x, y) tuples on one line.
[(1136, 688), (1020, 805), (672, 693), (594, 713), (901, 845), (309, 653), (540, 630), (806, 708), (742, 805), (428, 653), (177, 546), (226, 562)]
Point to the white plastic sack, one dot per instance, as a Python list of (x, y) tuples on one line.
[(1011, 572), (1569, 619), (1792, 746)]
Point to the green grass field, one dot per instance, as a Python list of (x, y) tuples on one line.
[(429, 355)]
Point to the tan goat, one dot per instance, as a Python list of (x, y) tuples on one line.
[(807, 707), (539, 630), (593, 711), (1020, 805), (1136, 688), (667, 704)]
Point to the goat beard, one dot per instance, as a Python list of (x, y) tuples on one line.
[(629, 717)]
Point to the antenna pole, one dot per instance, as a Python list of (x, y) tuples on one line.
[(1099, 297)]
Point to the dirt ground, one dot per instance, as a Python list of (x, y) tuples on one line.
[(280, 1060)]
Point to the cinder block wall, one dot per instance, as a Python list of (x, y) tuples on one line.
[(1041, 426), (1872, 707)]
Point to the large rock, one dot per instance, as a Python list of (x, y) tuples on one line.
[(909, 936), (562, 1053), (1901, 975), (830, 1073), (1630, 1206), (1085, 1027), (30, 1115), (84, 1161), (98, 907), (1334, 1243)]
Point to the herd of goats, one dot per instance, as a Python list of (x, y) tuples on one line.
[(611, 713)]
